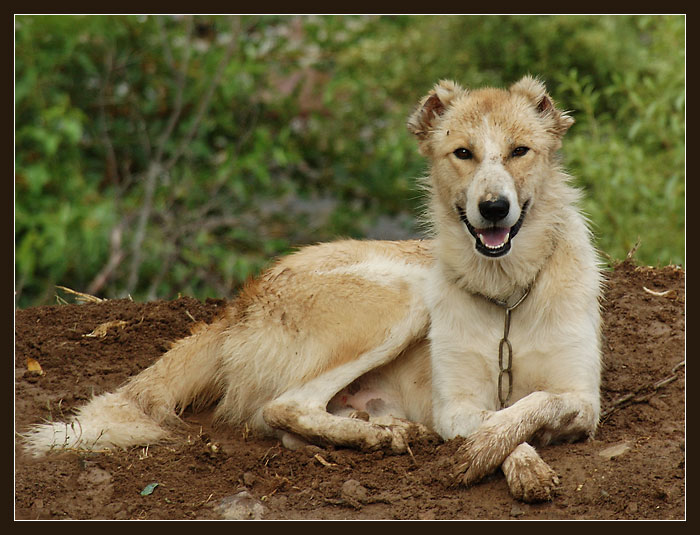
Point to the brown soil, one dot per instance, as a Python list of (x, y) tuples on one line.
[(644, 479)]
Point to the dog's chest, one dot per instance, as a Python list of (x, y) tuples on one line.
[(469, 335)]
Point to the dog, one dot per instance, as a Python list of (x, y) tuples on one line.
[(488, 330)]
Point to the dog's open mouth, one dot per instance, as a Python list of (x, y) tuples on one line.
[(493, 241)]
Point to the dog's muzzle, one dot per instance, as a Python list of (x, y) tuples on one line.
[(493, 241)]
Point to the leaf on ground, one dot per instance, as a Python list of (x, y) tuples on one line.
[(34, 367), (148, 489)]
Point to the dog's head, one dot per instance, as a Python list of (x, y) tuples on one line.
[(491, 151)]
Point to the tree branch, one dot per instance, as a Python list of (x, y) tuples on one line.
[(180, 89), (116, 256), (204, 103), (166, 46), (112, 168), (156, 168)]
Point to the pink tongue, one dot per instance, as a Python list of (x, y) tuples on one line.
[(494, 236)]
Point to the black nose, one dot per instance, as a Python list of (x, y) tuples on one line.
[(494, 210)]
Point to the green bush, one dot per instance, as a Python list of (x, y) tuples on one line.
[(166, 155)]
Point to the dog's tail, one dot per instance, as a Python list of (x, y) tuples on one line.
[(145, 409)]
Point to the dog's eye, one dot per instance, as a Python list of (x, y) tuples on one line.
[(463, 154), (520, 151)]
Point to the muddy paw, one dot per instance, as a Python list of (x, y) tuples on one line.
[(533, 488), (403, 432), (529, 478), (479, 456)]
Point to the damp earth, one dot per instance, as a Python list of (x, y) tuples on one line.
[(634, 467)]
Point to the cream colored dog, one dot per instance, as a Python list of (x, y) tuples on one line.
[(488, 331)]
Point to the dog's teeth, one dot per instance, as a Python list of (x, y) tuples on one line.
[(483, 241)]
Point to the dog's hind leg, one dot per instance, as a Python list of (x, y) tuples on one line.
[(529, 478), (304, 423), (302, 411)]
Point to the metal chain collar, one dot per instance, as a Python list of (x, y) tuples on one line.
[(505, 362)]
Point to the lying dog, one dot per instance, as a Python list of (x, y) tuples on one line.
[(488, 331)]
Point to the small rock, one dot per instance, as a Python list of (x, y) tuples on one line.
[(426, 515), (352, 490), (615, 451), (241, 506), (632, 508), (661, 493), (249, 479), (293, 442), (518, 509)]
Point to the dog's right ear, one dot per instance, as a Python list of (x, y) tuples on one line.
[(432, 106)]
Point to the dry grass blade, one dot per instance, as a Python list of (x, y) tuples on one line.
[(79, 296), (657, 294), (323, 461), (101, 330)]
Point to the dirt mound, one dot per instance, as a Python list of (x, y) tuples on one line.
[(633, 469)]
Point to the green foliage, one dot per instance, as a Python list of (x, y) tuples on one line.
[(166, 155)]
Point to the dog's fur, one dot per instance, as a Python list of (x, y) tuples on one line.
[(363, 344)]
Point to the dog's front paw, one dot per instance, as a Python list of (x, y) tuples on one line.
[(529, 478), (534, 486), (479, 455)]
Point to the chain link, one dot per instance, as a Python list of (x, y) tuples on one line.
[(506, 370), (505, 362)]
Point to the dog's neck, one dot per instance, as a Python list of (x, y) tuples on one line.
[(499, 284)]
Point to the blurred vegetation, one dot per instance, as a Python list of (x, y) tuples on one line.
[(165, 155)]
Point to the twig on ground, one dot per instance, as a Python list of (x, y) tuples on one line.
[(642, 394), (410, 452)]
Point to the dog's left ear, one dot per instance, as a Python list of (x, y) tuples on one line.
[(536, 91)]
